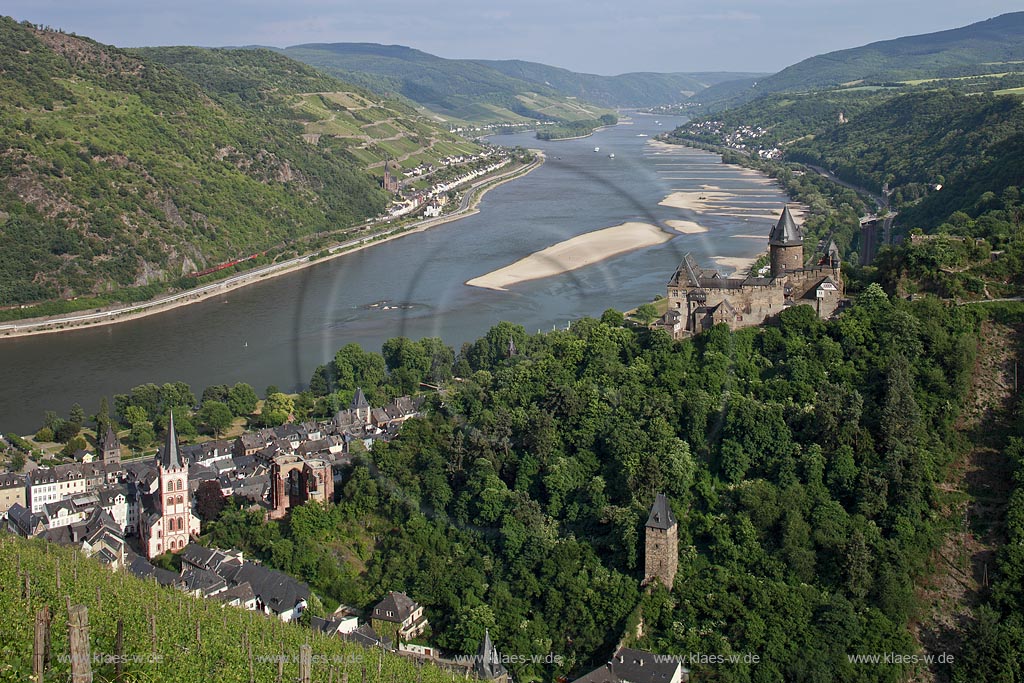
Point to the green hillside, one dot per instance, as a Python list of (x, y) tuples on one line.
[(173, 653), (920, 140), (345, 119), (455, 89), (986, 47), (624, 90), (120, 173)]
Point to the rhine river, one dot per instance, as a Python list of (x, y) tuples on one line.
[(278, 331)]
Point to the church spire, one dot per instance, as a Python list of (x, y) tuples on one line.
[(171, 455)]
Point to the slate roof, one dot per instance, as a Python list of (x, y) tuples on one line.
[(488, 664), (398, 604), (359, 400), (633, 666), (785, 233), (278, 591), (661, 516)]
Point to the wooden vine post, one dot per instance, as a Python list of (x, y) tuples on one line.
[(78, 639)]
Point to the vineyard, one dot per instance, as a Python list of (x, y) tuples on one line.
[(166, 634)]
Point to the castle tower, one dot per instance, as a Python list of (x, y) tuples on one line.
[(785, 245), (171, 524), (661, 551), (110, 447)]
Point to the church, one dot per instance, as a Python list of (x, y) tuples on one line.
[(700, 298), (168, 523)]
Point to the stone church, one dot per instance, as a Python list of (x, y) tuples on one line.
[(168, 521), (700, 298)]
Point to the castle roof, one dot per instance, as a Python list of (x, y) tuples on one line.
[(661, 514), (785, 233), (170, 456)]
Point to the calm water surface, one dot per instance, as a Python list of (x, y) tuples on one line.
[(277, 332)]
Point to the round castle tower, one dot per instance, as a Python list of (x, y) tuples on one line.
[(785, 246)]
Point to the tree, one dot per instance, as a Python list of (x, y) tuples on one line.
[(135, 414), (17, 461), (142, 434), (277, 409), (242, 399), (102, 418), (209, 500), (647, 313), (74, 445), (77, 415), (216, 415)]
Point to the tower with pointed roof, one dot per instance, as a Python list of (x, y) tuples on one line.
[(361, 406), (785, 245), (110, 447), (661, 551), (487, 666), (170, 522)]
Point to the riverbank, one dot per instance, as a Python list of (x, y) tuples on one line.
[(113, 315)]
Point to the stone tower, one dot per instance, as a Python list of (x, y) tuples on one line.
[(661, 551), (110, 446), (785, 246)]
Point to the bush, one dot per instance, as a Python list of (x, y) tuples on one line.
[(44, 435)]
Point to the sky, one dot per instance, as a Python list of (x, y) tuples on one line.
[(594, 36)]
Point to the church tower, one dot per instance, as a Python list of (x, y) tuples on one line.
[(110, 446), (171, 524), (661, 552), (487, 666), (785, 246)]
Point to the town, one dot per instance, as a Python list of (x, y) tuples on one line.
[(124, 513)]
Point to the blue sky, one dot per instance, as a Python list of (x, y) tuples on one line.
[(597, 36)]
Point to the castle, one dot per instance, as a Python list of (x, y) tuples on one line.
[(700, 298)]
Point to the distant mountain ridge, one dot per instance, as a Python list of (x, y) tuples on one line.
[(983, 47), (480, 90), (638, 89)]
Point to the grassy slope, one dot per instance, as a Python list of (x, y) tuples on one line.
[(220, 656), (333, 114)]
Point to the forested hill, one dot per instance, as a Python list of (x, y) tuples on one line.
[(640, 89), (118, 172), (992, 46), (921, 141), (457, 89)]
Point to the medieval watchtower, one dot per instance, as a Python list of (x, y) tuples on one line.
[(661, 551), (785, 246)]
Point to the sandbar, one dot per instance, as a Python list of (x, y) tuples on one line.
[(686, 227), (574, 253)]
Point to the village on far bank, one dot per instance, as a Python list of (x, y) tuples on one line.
[(132, 513)]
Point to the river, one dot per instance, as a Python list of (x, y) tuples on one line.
[(278, 331)]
